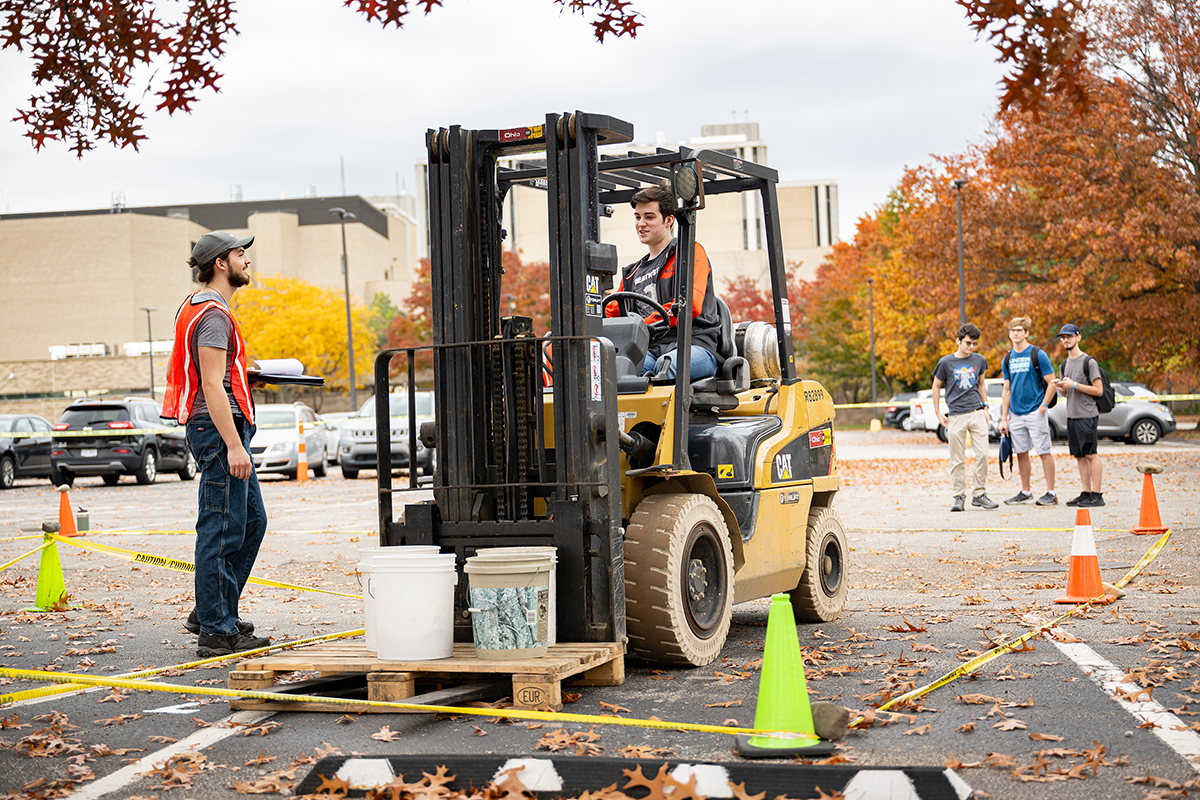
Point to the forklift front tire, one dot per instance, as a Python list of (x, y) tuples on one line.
[(678, 580), (821, 594)]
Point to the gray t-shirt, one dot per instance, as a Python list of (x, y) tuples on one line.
[(961, 377), (1080, 405), (213, 330)]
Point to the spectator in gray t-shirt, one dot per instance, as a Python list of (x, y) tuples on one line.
[(962, 375), (1080, 384)]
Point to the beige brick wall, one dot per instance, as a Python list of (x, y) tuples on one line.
[(77, 376)]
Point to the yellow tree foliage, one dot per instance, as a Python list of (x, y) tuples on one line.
[(284, 317)]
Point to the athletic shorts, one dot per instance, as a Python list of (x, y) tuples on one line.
[(1030, 432), (1082, 439)]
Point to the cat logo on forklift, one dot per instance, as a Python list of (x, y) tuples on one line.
[(783, 467)]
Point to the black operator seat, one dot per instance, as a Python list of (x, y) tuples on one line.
[(733, 374)]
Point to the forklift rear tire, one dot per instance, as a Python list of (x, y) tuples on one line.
[(821, 594), (678, 580)]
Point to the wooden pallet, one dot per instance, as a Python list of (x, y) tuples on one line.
[(531, 682)]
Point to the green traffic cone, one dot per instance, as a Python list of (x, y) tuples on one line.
[(51, 588), (782, 693)]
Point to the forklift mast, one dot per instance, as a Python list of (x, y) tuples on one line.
[(497, 483)]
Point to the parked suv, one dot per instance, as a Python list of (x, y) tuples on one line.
[(24, 448), (1138, 417), (356, 450), (111, 438)]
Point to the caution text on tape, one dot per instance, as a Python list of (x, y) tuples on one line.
[(183, 566)]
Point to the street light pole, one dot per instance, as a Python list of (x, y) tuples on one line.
[(871, 318), (150, 344), (962, 283), (344, 214)]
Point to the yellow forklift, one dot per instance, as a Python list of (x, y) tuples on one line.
[(668, 500)]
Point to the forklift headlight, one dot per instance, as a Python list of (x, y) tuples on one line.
[(685, 184)]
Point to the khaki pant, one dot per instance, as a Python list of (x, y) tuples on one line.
[(976, 424)]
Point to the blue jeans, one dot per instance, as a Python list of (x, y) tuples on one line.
[(229, 528), (704, 363)]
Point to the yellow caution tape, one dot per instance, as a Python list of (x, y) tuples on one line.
[(19, 538), (182, 566), (983, 658), (29, 694), (18, 558), (507, 713), (991, 530), (114, 432), (130, 532)]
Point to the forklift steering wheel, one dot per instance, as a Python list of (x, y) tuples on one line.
[(658, 329)]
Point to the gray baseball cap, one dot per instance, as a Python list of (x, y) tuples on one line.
[(211, 245)]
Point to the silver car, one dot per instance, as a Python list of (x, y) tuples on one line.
[(275, 446), (1138, 417)]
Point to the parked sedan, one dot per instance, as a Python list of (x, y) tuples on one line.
[(1138, 417), (275, 446), (899, 411), (923, 419), (24, 448)]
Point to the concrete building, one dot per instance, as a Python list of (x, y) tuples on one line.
[(77, 283), (730, 227)]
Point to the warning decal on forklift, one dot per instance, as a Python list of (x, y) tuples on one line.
[(516, 134), (597, 386), (724, 471), (820, 438)]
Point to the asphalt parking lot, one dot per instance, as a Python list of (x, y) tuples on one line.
[(929, 590)]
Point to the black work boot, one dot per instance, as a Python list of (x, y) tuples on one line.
[(217, 644), (193, 624)]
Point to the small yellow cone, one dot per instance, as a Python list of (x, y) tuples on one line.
[(783, 703), (51, 588)]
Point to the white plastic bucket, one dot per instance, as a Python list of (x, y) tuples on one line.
[(510, 600), (366, 569), (552, 552), (414, 606)]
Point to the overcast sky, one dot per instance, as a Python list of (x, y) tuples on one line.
[(848, 90)]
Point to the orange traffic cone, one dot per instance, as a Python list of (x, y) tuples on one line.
[(1083, 580), (301, 457), (66, 517), (1150, 524)]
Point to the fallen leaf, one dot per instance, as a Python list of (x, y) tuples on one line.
[(1045, 737), (386, 734), (1010, 725)]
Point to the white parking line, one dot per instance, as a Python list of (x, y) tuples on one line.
[(1111, 679), (205, 737)]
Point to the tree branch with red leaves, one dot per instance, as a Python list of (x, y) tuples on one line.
[(86, 54)]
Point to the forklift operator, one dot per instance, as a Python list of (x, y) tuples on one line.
[(654, 276)]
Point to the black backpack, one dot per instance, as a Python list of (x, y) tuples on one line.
[(1107, 400), (1034, 357)]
